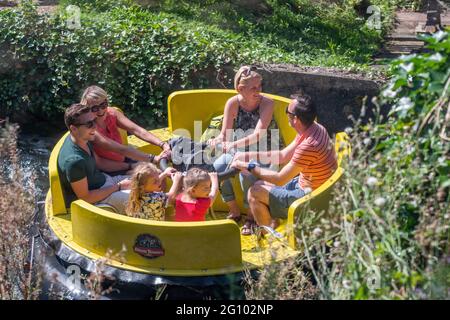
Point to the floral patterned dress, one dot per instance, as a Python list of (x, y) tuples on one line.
[(153, 206)]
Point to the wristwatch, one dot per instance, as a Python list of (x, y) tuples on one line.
[(251, 165)]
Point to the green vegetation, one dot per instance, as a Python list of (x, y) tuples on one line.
[(390, 235), (16, 216), (140, 53)]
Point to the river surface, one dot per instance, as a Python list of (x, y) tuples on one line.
[(34, 154)]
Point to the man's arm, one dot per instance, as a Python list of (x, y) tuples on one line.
[(81, 190), (287, 173), (107, 165), (272, 157)]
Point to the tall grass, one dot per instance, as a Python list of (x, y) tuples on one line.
[(16, 210), (284, 281), (389, 231), (97, 281)]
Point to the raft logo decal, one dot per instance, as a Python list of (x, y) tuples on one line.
[(148, 246)]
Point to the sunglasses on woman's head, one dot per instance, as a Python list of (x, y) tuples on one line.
[(248, 71), (101, 106)]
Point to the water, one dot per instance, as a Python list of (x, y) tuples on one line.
[(34, 155), (34, 152)]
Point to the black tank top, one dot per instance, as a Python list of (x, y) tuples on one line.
[(246, 121)]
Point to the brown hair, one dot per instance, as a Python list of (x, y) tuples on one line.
[(73, 112), (244, 75), (193, 177), (139, 178), (304, 109), (93, 95)]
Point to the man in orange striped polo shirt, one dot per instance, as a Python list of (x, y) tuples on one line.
[(310, 160)]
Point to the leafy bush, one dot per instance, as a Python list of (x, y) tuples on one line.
[(140, 55), (136, 55), (390, 239)]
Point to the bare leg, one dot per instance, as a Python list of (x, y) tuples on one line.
[(259, 204), (234, 208), (275, 222)]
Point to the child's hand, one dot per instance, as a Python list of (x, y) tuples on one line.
[(213, 175), (214, 185), (215, 141), (177, 176), (169, 172)]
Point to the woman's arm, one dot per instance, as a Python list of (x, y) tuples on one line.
[(266, 113), (127, 151), (229, 114), (128, 125)]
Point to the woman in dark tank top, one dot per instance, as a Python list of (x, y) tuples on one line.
[(247, 124)]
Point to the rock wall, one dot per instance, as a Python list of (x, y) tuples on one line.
[(338, 96)]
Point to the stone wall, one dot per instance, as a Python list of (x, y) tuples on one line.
[(337, 96)]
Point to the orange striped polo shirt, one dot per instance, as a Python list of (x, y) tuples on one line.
[(315, 156)]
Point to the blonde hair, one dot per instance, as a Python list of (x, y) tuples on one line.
[(139, 178), (244, 75), (93, 95), (193, 177)]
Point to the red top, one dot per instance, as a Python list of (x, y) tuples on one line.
[(111, 131), (187, 211)]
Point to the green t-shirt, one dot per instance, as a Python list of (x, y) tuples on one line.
[(75, 164)]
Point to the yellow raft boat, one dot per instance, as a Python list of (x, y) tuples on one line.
[(177, 250)]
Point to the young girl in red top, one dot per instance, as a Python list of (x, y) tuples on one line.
[(199, 191)]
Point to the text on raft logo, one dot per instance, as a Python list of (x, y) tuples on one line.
[(148, 246)]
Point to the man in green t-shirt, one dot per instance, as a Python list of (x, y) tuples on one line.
[(79, 167)]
